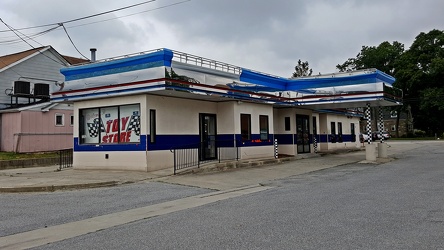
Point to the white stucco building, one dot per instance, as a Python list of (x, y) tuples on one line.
[(133, 112)]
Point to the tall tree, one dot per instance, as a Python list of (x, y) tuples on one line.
[(383, 57), (420, 73), (302, 69)]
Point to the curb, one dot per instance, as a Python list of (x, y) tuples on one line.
[(54, 188)]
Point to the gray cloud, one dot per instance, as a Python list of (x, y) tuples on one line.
[(268, 36)]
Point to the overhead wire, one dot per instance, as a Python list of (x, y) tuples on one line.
[(73, 42), (133, 14), (85, 17), (16, 32), (29, 36), (61, 24)]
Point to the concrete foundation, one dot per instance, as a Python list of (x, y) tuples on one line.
[(382, 150), (370, 152)]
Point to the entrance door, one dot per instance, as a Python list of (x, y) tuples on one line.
[(207, 136), (303, 133)]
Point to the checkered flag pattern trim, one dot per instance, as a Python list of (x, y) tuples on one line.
[(134, 124), (369, 123), (93, 128), (381, 125)]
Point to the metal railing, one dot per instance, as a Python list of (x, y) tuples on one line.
[(205, 62), (192, 155), (65, 158)]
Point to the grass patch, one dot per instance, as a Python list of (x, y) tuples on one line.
[(20, 156)]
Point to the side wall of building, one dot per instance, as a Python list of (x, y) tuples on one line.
[(40, 132)]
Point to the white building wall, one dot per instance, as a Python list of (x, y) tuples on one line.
[(325, 129), (255, 110), (288, 149), (176, 116)]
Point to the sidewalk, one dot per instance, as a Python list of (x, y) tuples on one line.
[(212, 176)]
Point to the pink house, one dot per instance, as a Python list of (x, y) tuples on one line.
[(29, 122)]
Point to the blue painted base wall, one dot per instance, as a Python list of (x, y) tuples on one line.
[(168, 142)]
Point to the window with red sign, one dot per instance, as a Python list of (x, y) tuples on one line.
[(110, 125)]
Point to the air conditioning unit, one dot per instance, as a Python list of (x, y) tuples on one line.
[(21, 88), (41, 90)]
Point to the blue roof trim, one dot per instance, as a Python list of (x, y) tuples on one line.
[(385, 77), (273, 82), (270, 83), (311, 83), (151, 60)]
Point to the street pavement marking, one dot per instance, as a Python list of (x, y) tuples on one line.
[(69, 230)]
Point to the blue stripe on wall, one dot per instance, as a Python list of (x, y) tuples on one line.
[(167, 142), (284, 138)]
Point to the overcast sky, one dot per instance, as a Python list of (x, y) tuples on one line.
[(268, 36)]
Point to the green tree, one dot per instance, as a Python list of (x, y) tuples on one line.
[(302, 69), (383, 57), (420, 74)]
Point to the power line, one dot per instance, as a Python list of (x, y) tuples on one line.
[(86, 17), (72, 41), (29, 36), (110, 19), (16, 33), (61, 24)]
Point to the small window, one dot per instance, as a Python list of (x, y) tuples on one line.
[(246, 127), (287, 123), (59, 120), (263, 127), (71, 120), (333, 128), (393, 127), (152, 125)]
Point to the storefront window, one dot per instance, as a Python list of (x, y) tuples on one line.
[(117, 124)]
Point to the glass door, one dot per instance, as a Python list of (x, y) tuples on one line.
[(303, 133), (207, 136)]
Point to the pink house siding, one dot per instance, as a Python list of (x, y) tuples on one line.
[(11, 124), (36, 131)]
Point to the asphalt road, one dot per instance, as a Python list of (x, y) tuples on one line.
[(396, 205), (30, 211)]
